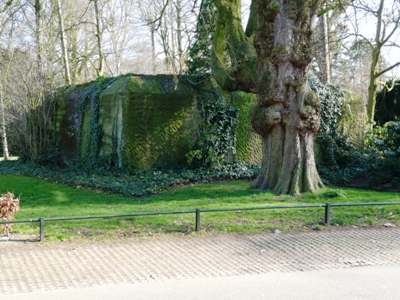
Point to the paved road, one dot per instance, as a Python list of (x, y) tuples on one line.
[(350, 264), (367, 283)]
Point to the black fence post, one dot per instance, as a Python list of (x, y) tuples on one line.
[(327, 213), (197, 220), (41, 220)]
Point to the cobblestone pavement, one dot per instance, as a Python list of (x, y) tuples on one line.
[(27, 267)]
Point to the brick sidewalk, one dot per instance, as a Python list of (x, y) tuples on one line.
[(29, 267)]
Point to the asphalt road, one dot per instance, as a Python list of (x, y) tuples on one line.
[(373, 282)]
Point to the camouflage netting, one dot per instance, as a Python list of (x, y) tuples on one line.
[(138, 122)]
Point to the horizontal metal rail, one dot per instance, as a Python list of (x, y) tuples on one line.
[(262, 207), (153, 213), (364, 204), (197, 213)]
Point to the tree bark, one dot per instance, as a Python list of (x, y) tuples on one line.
[(324, 62), (99, 36), (233, 59), (376, 53), (171, 22), (39, 38), (181, 59), (373, 85), (153, 51), (3, 126), (63, 44), (287, 116)]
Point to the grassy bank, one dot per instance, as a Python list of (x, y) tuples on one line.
[(41, 198)]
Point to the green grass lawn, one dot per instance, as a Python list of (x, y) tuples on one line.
[(41, 198)]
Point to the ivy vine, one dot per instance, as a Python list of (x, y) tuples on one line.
[(199, 61), (217, 138), (341, 159), (90, 104), (333, 144)]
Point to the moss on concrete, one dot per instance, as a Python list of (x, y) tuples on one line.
[(145, 121), (159, 126), (248, 142)]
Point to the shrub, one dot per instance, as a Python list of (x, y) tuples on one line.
[(384, 141), (388, 103), (8, 207), (341, 160)]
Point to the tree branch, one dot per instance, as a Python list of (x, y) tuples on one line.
[(387, 69), (159, 18)]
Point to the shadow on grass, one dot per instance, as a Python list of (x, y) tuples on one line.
[(37, 192), (41, 198)]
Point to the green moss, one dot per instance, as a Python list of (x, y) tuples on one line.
[(312, 99), (159, 122), (272, 10), (137, 83), (69, 122), (306, 111), (139, 122), (277, 51), (248, 143)]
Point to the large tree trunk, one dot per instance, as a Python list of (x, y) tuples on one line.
[(233, 57), (288, 113)]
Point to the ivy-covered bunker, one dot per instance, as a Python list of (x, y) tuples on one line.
[(138, 122)]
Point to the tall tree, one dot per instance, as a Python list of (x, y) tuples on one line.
[(352, 69), (328, 36), (325, 62), (4, 140), (233, 60), (150, 14), (99, 37), (6, 17), (119, 39), (287, 115), (63, 42), (199, 61), (386, 16)]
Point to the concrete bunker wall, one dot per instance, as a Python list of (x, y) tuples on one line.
[(138, 122)]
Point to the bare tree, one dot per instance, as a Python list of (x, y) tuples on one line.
[(328, 36), (150, 14), (173, 23), (325, 65), (63, 42), (4, 140), (386, 16), (120, 39), (99, 35)]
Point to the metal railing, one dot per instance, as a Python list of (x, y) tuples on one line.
[(197, 212)]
